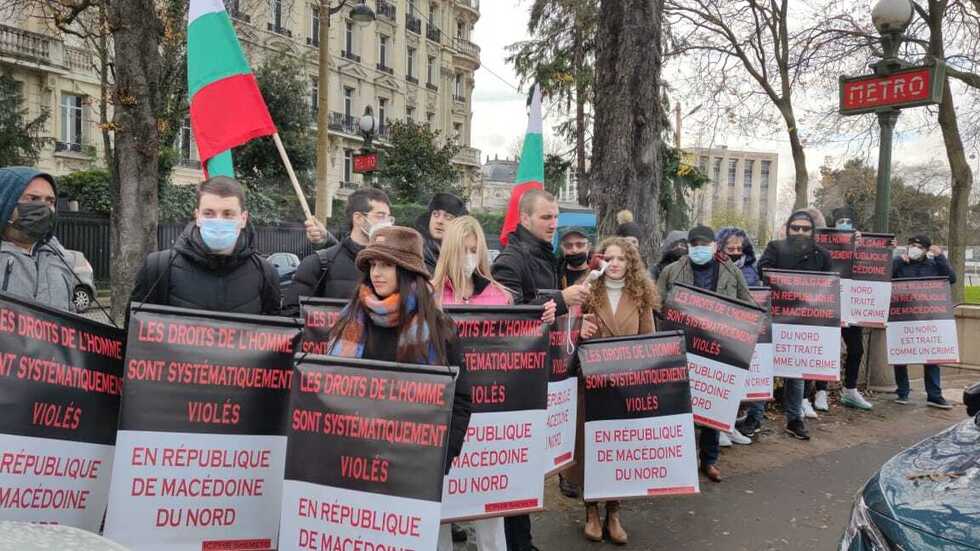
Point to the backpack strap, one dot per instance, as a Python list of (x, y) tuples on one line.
[(327, 258), (159, 277)]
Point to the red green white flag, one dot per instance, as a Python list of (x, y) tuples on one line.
[(530, 170), (227, 109)]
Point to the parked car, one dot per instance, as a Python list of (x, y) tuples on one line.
[(84, 293), (285, 265), (926, 497)]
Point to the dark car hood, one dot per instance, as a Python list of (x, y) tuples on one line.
[(916, 489)]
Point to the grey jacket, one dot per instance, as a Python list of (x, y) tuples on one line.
[(40, 276), (731, 282)]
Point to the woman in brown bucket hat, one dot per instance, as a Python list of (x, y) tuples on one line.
[(393, 317)]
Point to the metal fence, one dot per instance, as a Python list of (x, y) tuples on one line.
[(90, 234)]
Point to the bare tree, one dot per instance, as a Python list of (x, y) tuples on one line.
[(626, 169), (725, 41)]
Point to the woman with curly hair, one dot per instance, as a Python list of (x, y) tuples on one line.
[(622, 303)]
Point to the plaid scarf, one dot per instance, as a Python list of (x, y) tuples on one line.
[(382, 312)]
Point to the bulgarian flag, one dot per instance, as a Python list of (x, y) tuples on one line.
[(530, 171), (227, 109)]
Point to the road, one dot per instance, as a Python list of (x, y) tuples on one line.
[(801, 505)]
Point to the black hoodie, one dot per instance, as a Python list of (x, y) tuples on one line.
[(781, 255), (241, 282)]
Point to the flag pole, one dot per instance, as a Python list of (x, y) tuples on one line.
[(292, 177)]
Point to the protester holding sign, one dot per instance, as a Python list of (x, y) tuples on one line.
[(853, 336), (394, 317), (215, 264), (462, 276), (798, 252), (34, 261), (922, 260), (735, 243), (331, 272), (527, 266), (622, 303), (704, 269)]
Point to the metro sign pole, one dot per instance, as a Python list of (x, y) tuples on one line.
[(895, 85)]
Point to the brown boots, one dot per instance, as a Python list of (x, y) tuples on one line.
[(613, 526), (617, 534), (593, 528)]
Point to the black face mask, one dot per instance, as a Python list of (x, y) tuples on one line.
[(576, 259), (674, 255), (34, 219), (800, 243), (734, 257)]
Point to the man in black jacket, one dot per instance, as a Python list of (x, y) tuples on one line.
[(799, 251), (214, 264), (331, 272), (526, 266), (443, 209)]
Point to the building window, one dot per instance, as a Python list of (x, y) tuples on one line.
[(314, 25), (314, 95), (732, 172), (383, 50), (430, 70), (185, 142), (348, 165), (410, 62), (349, 37), (410, 113), (458, 86), (348, 102), (71, 121), (764, 175), (460, 28), (430, 119), (276, 14), (458, 131), (747, 174), (382, 107), (412, 8), (715, 176)]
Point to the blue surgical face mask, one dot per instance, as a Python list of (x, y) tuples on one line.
[(701, 255), (219, 234), (845, 225)]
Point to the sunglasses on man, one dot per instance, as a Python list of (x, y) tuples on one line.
[(800, 228)]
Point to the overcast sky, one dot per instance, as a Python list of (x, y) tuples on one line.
[(499, 116)]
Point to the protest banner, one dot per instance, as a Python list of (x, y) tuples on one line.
[(841, 245), (201, 446), (563, 391), (319, 316), (806, 325), (639, 429), (921, 323), (721, 333), (60, 383), (759, 383), (501, 469), (366, 456), (870, 287)]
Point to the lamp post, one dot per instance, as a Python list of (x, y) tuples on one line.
[(891, 18), (361, 14)]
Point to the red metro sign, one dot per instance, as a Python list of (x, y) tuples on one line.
[(906, 88)]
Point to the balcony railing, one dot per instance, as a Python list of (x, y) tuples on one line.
[(468, 156), (78, 60), (65, 146), (278, 29), (386, 10), (411, 79), (431, 86), (313, 41), (25, 44), (432, 33), (351, 56), (385, 69), (459, 99), (413, 23), (343, 123), (467, 48), (190, 163), (471, 4), (238, 14)]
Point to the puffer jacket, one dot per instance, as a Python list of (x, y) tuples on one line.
[(340, 281), (242, 282), (664, 261), (484, 293), (40, 275), (925, 267)]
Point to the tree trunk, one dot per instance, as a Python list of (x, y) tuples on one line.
[(626, 161), (959, 207), (578, 59), (799, 156), (136, 39), (103, 50)]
